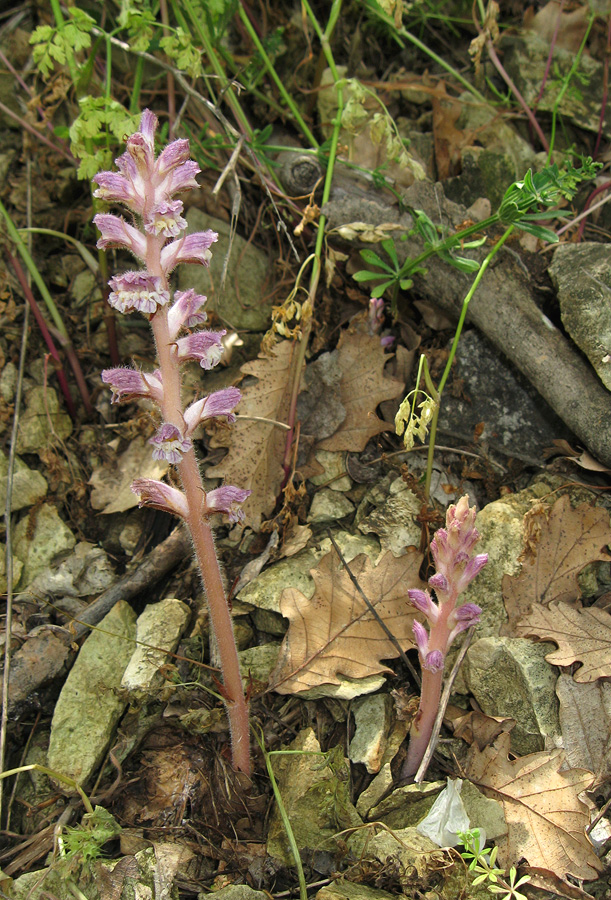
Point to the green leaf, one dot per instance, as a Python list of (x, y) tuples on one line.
[(365, 275), (371, 257), (389, 247), (544, 234)]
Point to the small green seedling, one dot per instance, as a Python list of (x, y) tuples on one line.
[(482, 862)]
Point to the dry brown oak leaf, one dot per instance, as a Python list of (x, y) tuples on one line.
[(334, 633), (582, 635), (256, 448), (546, 821), (570, 539), (362, 387)]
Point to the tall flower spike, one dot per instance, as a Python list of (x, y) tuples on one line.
[(147, 186), (452, 550)]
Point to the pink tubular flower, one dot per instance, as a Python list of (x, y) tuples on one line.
[(116, 232), (220, 403), (205, 346), (422, 639), (169, 444), (190, 248), (143, 181), (424, 603), (127, 384), (434, 661), (185, 312), (165, 219), (137, 291), (226, 499), (160, 496)]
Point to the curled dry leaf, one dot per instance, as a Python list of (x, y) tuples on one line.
[(334, 633), (570, 539), (362, 387), (256, 448), (546, 821), (582, 635), (581, 705)]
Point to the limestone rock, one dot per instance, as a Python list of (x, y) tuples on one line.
[(372, 719), (247, 301), (581, 274), (265, 591), (158, 631), (510, 677), (329, 506), (89, 706), (315, 791), (39, 539), (36, 432), (29, 486)]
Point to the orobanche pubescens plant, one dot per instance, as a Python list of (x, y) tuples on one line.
[(456, 567), (147, 185)]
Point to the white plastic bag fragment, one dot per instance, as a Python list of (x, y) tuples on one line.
[(446, 817)]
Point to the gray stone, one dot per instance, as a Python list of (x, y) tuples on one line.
[(334, 465), (483, 812), (351, 890), (268, 621), (581, 274), (43, 422), (372, 721), (525, 57), (17, 570), (407, 805), (329, 506), (347, 689), (510, 677), (8, 382), (394, 519), (516, 420), (266, 589), (405, 845), (29, 486), (39, 539), (258, 663), (243, 633), (383, 781), (85, 573), (247, 300), (158, 632), (235, 892), (315, 792), (89, 706)]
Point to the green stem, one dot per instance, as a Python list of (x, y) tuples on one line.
[(565, 87), (59, 24), (276, 78), (403, 32), (461, 321), (290, 835), (226, 86), (316, 268), (35, 767)]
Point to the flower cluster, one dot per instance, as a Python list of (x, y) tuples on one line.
[(456, 566), (147, 186)]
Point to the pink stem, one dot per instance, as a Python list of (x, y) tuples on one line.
[(430, 693), (508, 81), (201, 533)]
